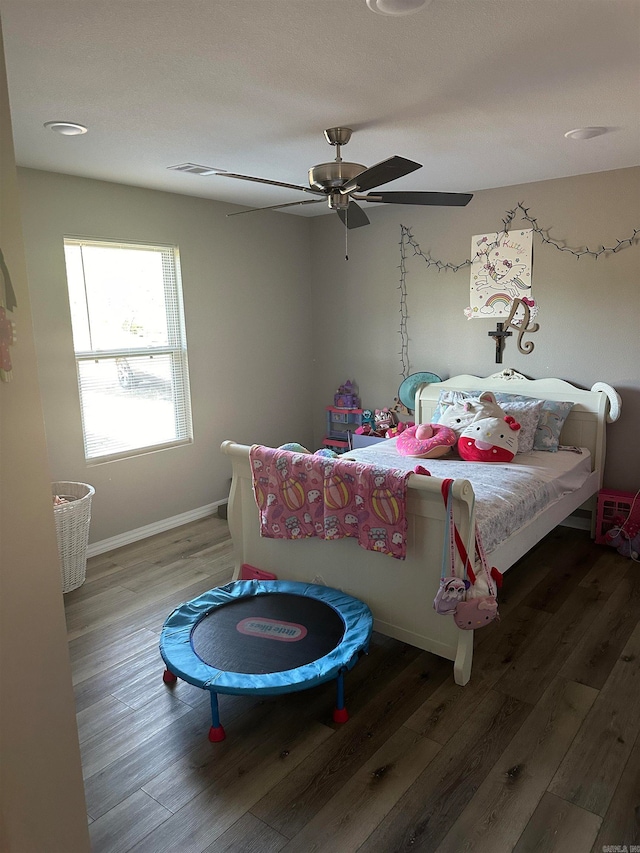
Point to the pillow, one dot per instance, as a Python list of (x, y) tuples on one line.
[(489, 440), (525, 410), (527, 414), (426, 441), (458, 409), (552, 417), (448, 397)]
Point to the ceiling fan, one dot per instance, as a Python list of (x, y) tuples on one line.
[(342, 183)]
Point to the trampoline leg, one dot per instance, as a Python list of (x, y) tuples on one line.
[(216, 732), (168, 677), (340, 714)]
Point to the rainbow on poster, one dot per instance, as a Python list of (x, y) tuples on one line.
[(498, 299), (500, 272)]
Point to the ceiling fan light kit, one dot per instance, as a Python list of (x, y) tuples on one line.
[(342, 183)]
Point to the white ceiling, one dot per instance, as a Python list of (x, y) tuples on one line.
[(480, 92)]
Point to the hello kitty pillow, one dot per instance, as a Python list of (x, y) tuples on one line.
[(460, 413), (489, 440)]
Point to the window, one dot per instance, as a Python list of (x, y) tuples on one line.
[(130, 346)]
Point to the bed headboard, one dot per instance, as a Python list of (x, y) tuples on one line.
[(584, 427)]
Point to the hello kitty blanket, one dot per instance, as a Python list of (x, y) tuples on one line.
[(301, 495)]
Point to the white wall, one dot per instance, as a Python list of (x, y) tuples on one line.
[(41, 793), (247, 291), (589, 309)]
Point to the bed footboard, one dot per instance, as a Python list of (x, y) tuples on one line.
[(399, 592)]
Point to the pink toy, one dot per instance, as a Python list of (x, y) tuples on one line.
[(426, 441), (365, 429), (476, 612), (489, 440), (450, 593), (625, 539), (384, 419), (395, 431), (420, 469)]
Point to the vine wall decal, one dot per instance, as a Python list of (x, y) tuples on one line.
[(408, 241)]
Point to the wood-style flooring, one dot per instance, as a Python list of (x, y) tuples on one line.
[(539, 752)]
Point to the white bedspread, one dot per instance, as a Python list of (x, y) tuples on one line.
[(508, 495)]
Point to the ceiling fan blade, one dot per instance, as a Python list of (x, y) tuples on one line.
[(271, 183), (277, 206), (354, 216), (442, 199), (381, 173)]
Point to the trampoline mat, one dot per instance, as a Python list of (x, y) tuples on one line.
[(260, 634)]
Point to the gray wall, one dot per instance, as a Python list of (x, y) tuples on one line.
[(277, 319), (41, 792), (589, 309), (246, 292)]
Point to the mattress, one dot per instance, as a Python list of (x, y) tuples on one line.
[(508, 495)]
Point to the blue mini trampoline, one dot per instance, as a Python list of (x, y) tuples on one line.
[(265, 637)]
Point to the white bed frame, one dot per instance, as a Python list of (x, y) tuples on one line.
[(400, 593)]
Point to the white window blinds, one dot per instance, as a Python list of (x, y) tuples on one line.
[(130, 346)]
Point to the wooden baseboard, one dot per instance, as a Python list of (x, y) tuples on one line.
[(139, 533)]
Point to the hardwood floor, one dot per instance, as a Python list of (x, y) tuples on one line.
[(539, 752)]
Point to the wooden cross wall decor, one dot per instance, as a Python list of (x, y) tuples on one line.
[(499, 334)]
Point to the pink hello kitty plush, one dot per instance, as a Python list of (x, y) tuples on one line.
[(489, 440)]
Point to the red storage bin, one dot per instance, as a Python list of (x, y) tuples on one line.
[(251, 573)]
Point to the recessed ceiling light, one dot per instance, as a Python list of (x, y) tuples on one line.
[(66, 128), (585, 132), (396, 7)]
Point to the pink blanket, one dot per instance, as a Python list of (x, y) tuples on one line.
[(301, 495)]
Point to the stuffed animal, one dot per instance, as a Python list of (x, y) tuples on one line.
[(450, 593), (458, 416), (367, 424), (365, 429), (384, 419), (625, 539), (326, 451), (395, 431), (368, 420), (489, 440)]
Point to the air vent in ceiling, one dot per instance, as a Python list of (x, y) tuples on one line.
[(195, 169)]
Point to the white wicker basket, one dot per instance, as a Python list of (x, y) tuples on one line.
[(72, 529)]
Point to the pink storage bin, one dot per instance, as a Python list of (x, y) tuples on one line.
[(614, 508)]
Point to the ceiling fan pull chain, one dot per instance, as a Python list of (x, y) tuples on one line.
[(346, 234)]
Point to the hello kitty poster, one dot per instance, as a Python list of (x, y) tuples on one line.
[(500, 273)]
